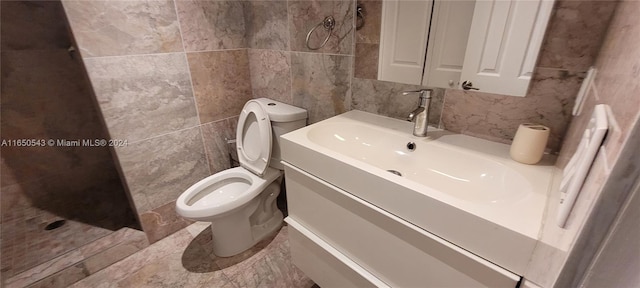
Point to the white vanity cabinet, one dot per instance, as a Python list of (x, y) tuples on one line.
[(340, 240)]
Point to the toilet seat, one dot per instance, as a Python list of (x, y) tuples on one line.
[(253, 141), (223, 192)]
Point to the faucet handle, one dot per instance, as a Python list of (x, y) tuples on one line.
[(424, 93)]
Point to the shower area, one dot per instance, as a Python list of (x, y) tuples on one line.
[(65, 213)]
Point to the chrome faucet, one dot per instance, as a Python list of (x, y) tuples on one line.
[(421, 115)]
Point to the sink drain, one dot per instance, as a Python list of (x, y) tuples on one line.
[(395, 172)]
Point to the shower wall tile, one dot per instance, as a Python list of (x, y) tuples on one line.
[(266, 24), (370, 31), (321, 84), (58, 107), (212, 25), (497, 117), (143, 96), (221, 82), (271, 74), (67, 196), (366, 65), (575, 34), (43, 109), (618, 72), (30, 25), (162, 222), (615, 85), (305, 15), (159, 169), (385, 98), (215, 146), (107, 28)]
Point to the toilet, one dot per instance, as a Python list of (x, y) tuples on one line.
[(240, 202)]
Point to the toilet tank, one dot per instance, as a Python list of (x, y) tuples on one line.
[(284, 119)]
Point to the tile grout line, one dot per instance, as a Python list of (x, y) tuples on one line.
[(193, 90), (82, 260), (444, 99), (288, 55), (168, 53), (352, 73)]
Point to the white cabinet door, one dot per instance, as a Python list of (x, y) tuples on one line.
[(447, 42), (503, 45), (403, 40)]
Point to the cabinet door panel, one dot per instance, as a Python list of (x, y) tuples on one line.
[(503, 44), (392, 250)]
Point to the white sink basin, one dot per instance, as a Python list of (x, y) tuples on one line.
[(464, 189), (483, 180)]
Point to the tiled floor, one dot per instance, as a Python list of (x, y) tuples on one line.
[(81, 262), (185, 259), (26, 244)]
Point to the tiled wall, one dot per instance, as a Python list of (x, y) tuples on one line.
[(368, 39), (615, 169), (286, 70), (170, 78), (45, 95)]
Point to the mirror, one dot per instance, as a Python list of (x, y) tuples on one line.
[(486, 45)]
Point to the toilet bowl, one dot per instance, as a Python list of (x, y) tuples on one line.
[(240, 202)]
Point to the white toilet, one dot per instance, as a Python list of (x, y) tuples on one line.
[(240, 202)]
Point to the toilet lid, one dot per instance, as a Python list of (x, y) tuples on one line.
[(254, 138)]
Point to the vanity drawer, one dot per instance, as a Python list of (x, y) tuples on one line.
[(391, 249), (323, 263)]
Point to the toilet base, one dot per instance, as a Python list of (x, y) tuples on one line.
[(233, 239)]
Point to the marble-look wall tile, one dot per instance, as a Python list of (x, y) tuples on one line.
[(212, 25), (366, 64), (162, 222), (370, 31), (215, 146), (40, 89), (496, 117), (321, 84), (107, 28), (385, 98), (44, 96), (143, 96), (159, 169), (221, 82), (618, 72), (30, 25), (266, 24), (92, 194), (271, 74), (615, 85), (575, 33), (304, 15)]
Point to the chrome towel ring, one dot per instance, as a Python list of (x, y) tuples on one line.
[(328, 23)]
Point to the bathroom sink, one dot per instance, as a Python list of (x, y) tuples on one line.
[(463, 189), (461, 174)]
